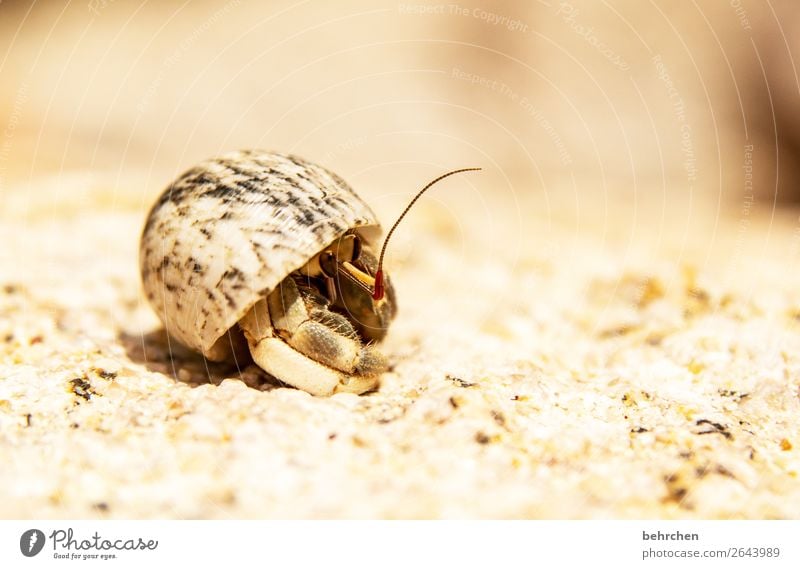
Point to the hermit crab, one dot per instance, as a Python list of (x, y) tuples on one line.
[(262, 255)]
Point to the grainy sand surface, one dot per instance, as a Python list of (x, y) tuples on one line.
[(578, 372)]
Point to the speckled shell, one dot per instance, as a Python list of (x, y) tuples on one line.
[(226, 232)]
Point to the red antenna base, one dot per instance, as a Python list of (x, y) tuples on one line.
[(379, 290)]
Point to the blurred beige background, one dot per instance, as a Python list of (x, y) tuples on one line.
[(628, 99), (603, 323)]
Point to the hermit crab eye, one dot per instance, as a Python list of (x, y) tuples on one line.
[(356, 249), (328, 264)]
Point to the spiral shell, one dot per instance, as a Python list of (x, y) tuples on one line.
[(229, 230)]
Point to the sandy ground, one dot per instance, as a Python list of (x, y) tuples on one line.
[(572, 372), (604, 323)]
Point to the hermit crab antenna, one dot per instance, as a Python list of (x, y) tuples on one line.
[(379, 291)]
